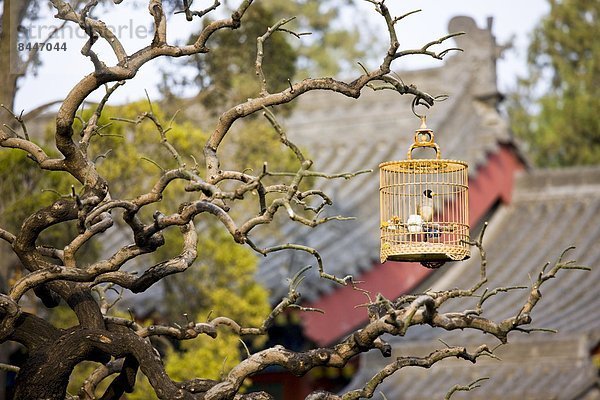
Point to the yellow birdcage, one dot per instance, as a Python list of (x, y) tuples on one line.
[(424, 207)]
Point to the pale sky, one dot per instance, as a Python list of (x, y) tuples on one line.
[(62, 69)]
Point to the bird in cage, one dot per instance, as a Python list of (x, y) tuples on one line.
[(425, 207), (418, 222)]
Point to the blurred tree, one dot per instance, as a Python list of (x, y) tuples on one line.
[(17, 61), (316, 42), (231, 78), (554, 111), (335, 43), (10, 66)]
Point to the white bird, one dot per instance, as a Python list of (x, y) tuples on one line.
[(425, 207)]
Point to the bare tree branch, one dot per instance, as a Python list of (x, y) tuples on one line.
[(464, 388)]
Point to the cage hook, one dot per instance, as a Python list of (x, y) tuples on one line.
[(418, 101)]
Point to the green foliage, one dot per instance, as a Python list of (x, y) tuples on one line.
[(221, 284), (134, 150), (118, 149), (24, 187), (224, 284), (62, 317), (205, 357), (555, 109)]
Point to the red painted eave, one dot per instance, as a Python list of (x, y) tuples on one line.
[(493, 182)]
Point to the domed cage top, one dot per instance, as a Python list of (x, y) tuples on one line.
[(424, 207)]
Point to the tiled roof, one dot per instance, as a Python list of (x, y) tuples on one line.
[(345, 135), (532, 370), (552, 209)]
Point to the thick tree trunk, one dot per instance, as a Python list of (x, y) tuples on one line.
[(45, 374)]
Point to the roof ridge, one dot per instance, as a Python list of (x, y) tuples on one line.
[(577, 183)]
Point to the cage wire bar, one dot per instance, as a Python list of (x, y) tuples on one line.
[(424, 207)]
